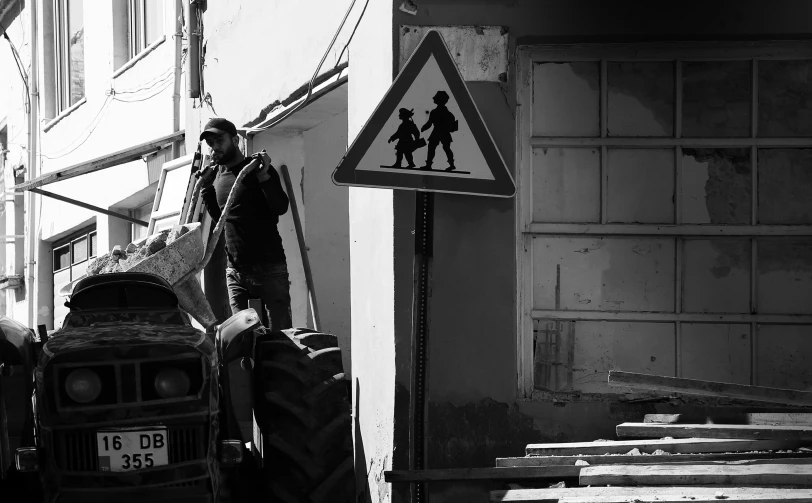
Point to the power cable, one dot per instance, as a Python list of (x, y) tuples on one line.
[(313, 78), (347, 45), (93, 124), (23, 75)]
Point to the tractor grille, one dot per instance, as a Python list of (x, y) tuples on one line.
[(78, 451)]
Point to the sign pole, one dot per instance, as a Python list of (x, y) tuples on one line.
[(423, 261)]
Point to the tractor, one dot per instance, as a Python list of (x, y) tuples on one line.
[(129, 401)]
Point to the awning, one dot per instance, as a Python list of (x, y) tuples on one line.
[(9, 9), (103, 162)]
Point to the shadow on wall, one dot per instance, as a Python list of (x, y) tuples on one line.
[(363, 494)]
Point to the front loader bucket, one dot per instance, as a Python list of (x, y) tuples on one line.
[(192, 300), (173, 263)]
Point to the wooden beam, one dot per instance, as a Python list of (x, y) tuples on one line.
[(553, 315), (755, 475), (710, 388), (534, 472), (728, 431), (674, 446), (685, 494), (765, 418), (687, 230), (103, 162), (623, 459), (90, 207)]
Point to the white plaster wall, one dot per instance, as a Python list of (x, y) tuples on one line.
[(327, 232), (288, 149), (372, 267), (260, 51)]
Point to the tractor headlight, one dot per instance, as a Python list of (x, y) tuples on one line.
[(172, 383), (83, 385)]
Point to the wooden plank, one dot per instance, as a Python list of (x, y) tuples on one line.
[(687, 494), (103, 162), (771, 418), (710, 388), (727, 431), (621, 459), (687, 230), (801, 496), (782, 474), (535, 472), (90, 207), (674, 446)]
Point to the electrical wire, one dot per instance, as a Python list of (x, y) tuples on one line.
[(310, 86), (23, 75), (347, 45), (93, 124)]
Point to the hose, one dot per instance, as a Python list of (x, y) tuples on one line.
[(218, 229)]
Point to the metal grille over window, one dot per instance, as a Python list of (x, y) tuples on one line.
[(665, 221)]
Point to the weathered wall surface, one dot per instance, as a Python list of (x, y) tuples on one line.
[(474, 415), (258, 52), (326, 232)]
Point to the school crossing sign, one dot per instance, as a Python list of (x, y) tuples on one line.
[(427, 134)]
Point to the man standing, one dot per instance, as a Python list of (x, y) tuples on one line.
[(257, 268)]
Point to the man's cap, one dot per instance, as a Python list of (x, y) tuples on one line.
[(218, 126), (405, 112)]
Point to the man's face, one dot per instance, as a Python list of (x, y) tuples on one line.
[(223, 147)]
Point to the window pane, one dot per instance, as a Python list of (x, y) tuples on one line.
[(641, 99), (640, 185), (565, 99), (782, 356), (61, 258), (154, 20), (76, 47), (716, 98), (716, 186), (784, 186), (94, 245), (784, 275), (717, 275), (612, 274), (566, 185), (784, 98), (79, 250), (577, 356), (714, 352)]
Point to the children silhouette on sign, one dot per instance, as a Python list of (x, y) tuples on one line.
[(408, 138), (444, 124)]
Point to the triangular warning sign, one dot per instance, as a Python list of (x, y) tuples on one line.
[(427, 134)]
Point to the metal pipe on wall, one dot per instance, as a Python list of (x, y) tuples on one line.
[(193, 60), (178, 71), (33, 130)]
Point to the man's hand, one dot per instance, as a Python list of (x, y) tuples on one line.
[(262, 171)]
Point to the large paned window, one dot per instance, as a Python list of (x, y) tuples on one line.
[(69, 49), (146, 23), (665, 223)]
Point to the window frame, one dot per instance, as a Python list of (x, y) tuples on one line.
[(137, 28), (62, 63), (526, 229)]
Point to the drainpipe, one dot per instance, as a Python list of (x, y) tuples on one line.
[(33, 130), (178, 70)]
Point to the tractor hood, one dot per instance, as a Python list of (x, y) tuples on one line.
[(116, 334)]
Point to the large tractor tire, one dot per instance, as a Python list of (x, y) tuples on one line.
[(302, 407)]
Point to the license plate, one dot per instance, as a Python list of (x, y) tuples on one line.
[(126, 450)]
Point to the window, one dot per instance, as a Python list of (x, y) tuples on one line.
[(664, 219), (69, 51), (70, 259), (146, 24), (141, 213)]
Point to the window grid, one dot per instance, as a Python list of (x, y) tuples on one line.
[(528, 229)]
